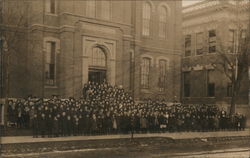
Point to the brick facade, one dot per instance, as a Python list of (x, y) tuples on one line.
[(222, 17), (120, 37)]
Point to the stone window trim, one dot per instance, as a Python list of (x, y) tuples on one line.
[(163, 24), (165, 5), (98, 58), (150, 2), (158, 59), (145, 66), (147, 10), (57, 51), (188, 45), (150, 57), (48, 8), (199, 44), (163, 73), (212, 41)]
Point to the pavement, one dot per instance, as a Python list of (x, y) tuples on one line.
[(225, 153), (177, 135)]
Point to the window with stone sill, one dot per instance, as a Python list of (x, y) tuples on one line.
[(162, 22), (199, 43), (212, 41), (50, 6), (50, 63), (188, 45), (145, 71), (162, 75), (146, 18), (98, 57)]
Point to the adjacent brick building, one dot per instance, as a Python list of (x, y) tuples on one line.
[(208, 26), (64, 44)]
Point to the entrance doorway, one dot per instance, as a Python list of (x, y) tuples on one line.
[(97, 76), (97, 65)]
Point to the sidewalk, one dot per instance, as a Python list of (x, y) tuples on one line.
[(179, 135)]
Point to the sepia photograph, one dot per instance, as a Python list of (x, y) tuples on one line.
[(124, 78)]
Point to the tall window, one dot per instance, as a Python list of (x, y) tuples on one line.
[(243, 34), (146, 16), (229, 89), (187, 85), (145, 70), (50, 63), (90, 8), (163, 74), (1, 68), (199, 43), (98, 57), (106, 10), (187, 45), (50, 6), (231, 48), (210, 83), (212, 41), (162, 22)]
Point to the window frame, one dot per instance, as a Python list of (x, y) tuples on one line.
[(199, 44), (162, 75), (146, 19), (101, 57), (57, 51), (163, 17), (48, 7), (212, 41), (47, 65), (188, 49), (145, 72)]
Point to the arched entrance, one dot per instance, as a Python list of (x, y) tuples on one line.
[(97, 65)]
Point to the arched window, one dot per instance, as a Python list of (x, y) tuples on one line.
[(162, 22), (163, 74), (90, 8), (106, 10), (145, 70), (146, 16), (98, 57)]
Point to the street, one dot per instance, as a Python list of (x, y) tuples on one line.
[(241, 154), (156, 147), (122, 153)]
